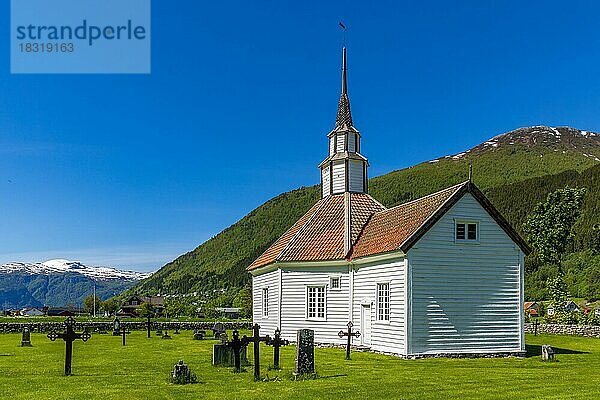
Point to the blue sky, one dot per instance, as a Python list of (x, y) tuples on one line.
[(132, 170)]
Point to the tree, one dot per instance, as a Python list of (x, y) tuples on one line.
[(145, 310), (243, 300), (557, 289), (88, 304), (549, 228), (111, 306)]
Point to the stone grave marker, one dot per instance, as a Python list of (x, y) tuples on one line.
[(26, 337), (224, 353), (218, 329), (199, 335), (166, 335), (181, 372), (116, 327), (305, 352), (547, 353)]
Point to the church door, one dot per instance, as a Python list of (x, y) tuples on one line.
[(365, 324)]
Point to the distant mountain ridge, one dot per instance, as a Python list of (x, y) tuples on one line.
[(65, 266), (59, 283), (525, 154)]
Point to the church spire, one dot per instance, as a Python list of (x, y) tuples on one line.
[(345, 169), (344, 116)]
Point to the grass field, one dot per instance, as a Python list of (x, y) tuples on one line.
[(103, 369)]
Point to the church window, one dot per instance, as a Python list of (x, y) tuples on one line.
[(315, 302), (466, 231), (383, 301), (265, 302)]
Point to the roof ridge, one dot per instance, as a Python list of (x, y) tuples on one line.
[(303, 227), (376, 201), (422, 197), (362, 230)]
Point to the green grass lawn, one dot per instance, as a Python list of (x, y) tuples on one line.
[(103, 369)]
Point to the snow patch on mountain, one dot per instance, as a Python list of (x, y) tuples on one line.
[(65, 266)]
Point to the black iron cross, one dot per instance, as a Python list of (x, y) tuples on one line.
[(124, 332), (535, 327), (256, 339), (148, 325), (277, 342), (69, 335), (236, 344), (349, 334)]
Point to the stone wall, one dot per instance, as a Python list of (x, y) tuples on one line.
[(576, 330), (45, 327)]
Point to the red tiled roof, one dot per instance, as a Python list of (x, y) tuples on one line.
[(321, 233), (324, 232), (389, 229)]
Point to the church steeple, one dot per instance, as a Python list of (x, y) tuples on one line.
[(344, 116), (345, 169)]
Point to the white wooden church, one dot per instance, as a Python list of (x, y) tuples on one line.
[(442, 274)]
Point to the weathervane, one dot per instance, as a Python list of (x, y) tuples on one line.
[(345, 30)]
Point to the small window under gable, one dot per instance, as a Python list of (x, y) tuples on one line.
[(466, 231), (335, 283)]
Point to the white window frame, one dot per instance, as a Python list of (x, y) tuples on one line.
[(265, 302), (466, 223), (315, 315), (339, 281), (382, 303)]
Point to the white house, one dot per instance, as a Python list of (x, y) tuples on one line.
[(440, 274)]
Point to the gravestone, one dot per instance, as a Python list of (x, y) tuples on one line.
[(305, 352), (224, 353), (116, 327), (166, 335), (547, 353), (181, 372), (26, 337), (218, 329), (199, 335)]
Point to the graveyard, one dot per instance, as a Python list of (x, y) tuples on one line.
[(104, 368)]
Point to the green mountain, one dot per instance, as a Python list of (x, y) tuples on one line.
[(515, 169)]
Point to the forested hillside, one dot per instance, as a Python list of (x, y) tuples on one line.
[(516, 170)]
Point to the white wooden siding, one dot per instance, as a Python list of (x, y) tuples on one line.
[(387, 336), (352, 142), (341, 141), (294, 303), (269, 280), (326, 181), (332, 145), (339, 177), (465, 297), (355, 176)]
